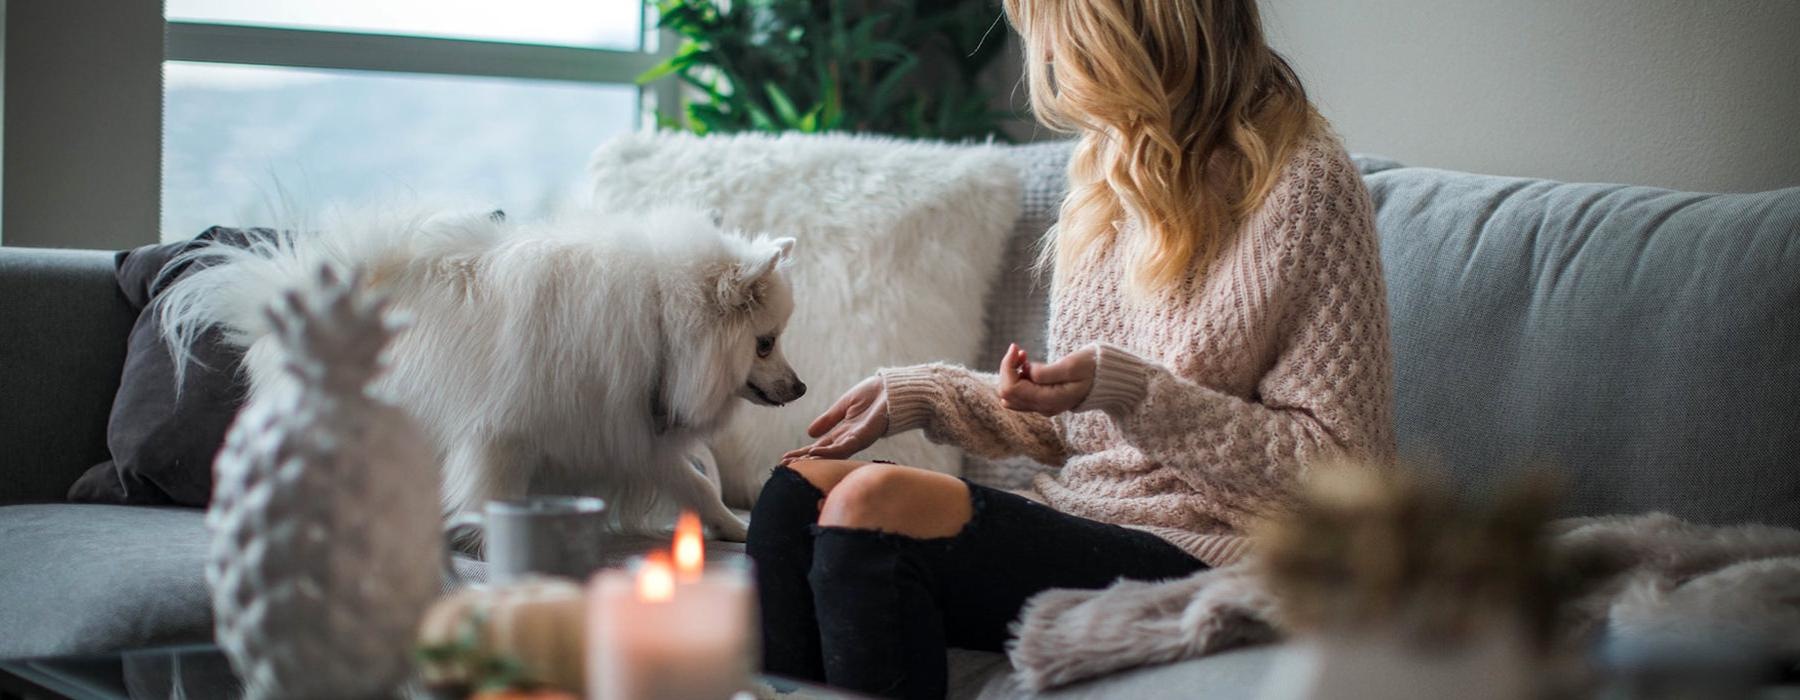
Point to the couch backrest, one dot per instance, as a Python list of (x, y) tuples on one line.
[(1018, 307), (63, 326), (1645, 343)]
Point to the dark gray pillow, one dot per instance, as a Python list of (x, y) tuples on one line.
[(163, 441)]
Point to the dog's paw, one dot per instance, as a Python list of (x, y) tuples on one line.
[(734, 530)]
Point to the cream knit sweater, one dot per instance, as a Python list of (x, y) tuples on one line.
[(1207, 407)]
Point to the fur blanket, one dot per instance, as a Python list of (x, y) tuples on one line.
[(1635, 578)]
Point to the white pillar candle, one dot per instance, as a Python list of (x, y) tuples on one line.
[(659, 633)]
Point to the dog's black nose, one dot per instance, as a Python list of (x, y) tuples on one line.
[(799, 389)]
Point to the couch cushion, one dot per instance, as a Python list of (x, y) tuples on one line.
[(87, 579), (1233, 674), (1644, 342), (93, 578)]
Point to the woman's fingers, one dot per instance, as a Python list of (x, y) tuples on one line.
[(854, 404), (832, 416), (817, 450), (809, 453), (1015, 371), (819, 443), (1016, 388), (1048, 389), (803, 451), (1009, 367), (850, 429), (842, 446), (835, 450)]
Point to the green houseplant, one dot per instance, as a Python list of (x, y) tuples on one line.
[(901, 67)]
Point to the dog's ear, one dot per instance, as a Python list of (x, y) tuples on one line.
[(742, 286)]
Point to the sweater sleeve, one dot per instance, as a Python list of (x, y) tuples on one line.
[(1328, 392), (961, 407)]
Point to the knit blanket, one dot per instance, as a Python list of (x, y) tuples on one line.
[(1639, 577)]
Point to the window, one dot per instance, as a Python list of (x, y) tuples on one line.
[(277, 108), (611, 24)]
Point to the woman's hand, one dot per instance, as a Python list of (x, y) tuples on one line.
[(856, 421), (1047, 389)]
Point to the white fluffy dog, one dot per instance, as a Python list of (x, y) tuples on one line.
[(585, 355)]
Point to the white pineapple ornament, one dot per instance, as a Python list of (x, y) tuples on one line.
[(326, 541)]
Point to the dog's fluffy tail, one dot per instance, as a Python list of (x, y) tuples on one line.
[(231, 286)]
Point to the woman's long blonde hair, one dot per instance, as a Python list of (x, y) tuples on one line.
[(1186, 116)]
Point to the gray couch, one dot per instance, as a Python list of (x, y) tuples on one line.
[(1644, 342)]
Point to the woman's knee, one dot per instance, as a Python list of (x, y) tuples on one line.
[(779, 519), (902, 500), (824, 474), (793, 494)]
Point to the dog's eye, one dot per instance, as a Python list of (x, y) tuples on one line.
[(765, 345)]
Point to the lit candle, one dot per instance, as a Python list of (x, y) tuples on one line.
[(671, 628), (690, 549)]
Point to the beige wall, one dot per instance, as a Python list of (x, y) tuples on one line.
[(1688, 94)]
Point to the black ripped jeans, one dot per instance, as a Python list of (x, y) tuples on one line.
[(873, 612)]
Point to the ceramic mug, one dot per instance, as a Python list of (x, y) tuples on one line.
[(543, 535)]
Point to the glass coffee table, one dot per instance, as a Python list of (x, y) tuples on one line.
[(201, 672)]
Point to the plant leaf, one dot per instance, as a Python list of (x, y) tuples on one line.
[(883, 94), (827, 65), (712, 92), (784, 107), (831, 103), (659, 71)]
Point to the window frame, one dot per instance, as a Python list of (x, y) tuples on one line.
[(300, 47), (316, 48)]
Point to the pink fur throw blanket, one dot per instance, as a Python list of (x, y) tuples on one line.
[(1640, 577)]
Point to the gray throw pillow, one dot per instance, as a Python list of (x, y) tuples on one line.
[(163, 441)]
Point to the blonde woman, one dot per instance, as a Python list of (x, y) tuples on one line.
[(1218, 325)]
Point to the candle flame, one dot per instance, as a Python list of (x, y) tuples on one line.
[(690, 550), (655, 580)]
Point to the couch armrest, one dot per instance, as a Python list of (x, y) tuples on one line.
[(63, 329)]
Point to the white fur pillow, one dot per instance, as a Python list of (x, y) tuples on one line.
[(899, 244)]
